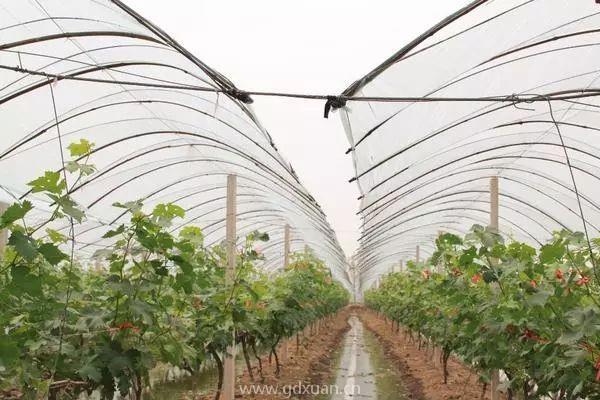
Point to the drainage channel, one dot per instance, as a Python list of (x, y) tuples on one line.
[(364, 372)]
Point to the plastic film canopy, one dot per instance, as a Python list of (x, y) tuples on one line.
[(506, 79), (163, 132)]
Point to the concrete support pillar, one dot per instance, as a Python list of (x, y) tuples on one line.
[(494, 225), (231, 240)]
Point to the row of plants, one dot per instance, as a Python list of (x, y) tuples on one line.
[(68, 325), (503, 305)]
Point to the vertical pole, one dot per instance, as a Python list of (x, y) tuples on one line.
[(3, 233), (286, 246), (401, 266), (286, 263), (440, 266), (494, 203), (494, 225), (418, 254), (231, 238)]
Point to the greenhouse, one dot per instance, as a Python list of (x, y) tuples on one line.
[(480, 109), (156, 244), (167, 128)]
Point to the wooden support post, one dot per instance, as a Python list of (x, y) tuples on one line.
[(494, 225), (286, 246), (418, 254), (401, 267), (231, 239), (3, 233)]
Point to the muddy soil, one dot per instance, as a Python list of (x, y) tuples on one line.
[(363, 371), (311, 364), (421, 374)]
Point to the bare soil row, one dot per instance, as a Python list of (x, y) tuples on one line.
[(419, 369)]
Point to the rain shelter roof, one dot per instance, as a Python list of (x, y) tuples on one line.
[(504, 88), (95, 69)]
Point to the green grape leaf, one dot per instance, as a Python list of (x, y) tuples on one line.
[(539, 298), (131, 206), (142, 310), (14, 213), (24, 245), (52, 254), (55, 236), (72, 166), (69, 207), (570, 337), (51, 182), (90, 372), (24, 281), (114, 232), (550, 253), (164, 214), (9, 352), (81, 148), (193, 234)]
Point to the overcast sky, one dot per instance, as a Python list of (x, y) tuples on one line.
[(308, 46)]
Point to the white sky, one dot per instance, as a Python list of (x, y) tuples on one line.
[(307, 46)]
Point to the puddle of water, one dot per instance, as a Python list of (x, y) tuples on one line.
[(185, 388), (337, 358), (388, 382), (174, 384), (364, 372)]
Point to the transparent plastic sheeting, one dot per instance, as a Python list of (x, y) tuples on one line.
[(425, 167), (160, 136)]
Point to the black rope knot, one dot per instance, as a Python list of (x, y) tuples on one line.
[(239, 95), (333, 103)]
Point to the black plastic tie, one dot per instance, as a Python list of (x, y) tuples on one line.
[(240, 95), (333, 102)]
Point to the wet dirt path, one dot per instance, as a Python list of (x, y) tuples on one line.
[(364, 372)]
